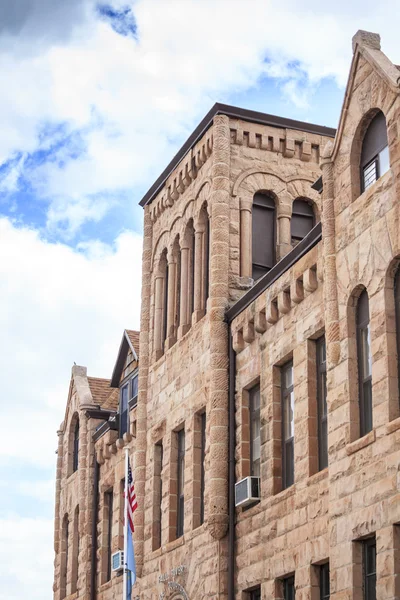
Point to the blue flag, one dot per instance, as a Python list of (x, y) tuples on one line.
[(130, 564)]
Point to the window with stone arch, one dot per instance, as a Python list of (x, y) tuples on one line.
[(302, 221), (263, 234), (73, 445), (370, 152), (364, 363), (64, 557)]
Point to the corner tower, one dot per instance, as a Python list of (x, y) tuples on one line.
[(234, 201)]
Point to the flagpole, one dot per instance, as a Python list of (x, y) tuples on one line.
[(125, 524)]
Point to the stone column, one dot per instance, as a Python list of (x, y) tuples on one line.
[(218, 300), (329, 249), (141, 410), (158, 314), (284, 214), (198, 310), (246, 205), (184, 319), (171, 300)]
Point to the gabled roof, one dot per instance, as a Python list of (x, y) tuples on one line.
[(235, 113), (103, 395), (368, 46), (130, 341)]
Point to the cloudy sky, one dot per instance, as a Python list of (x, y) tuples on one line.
[(95, 99)]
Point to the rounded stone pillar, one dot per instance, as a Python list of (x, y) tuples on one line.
[(184, 318), (283, 215), (141, 410), (218, 300), (246, 206), (329, 249), (198, 309)]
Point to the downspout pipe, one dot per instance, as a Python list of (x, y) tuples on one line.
[(231, 472), (94, 529)]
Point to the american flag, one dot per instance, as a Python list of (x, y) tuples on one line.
[(132, 502)]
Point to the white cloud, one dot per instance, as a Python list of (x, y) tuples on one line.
[(129, 98), (58, 306), (26, 558)]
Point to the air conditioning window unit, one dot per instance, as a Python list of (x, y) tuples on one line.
[(117, 561), (247, 491)]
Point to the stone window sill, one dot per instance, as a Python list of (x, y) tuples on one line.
[(363, 442), (393, 425), (175, 544), (318, 476), (105, 586), (283, 494)]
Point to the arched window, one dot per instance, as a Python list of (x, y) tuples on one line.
[(397, 312), (75, 553), (64, 558), (374, 152), (75, 457), (364, 363), (302, 220), (263, 235)]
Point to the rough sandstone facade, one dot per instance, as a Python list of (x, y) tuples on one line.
[(206, 202)]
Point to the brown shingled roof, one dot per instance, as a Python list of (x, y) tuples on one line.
[(103, 394), (134, 338)]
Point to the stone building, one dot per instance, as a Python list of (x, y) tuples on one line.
[(269, 345)]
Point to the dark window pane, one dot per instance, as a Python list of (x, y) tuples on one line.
[(322, 405), (288, 588), (369, 569), (109, 505), (180, 483), (287, 408), (375, 152), (255, 439), (255, 594), (364, 364), (202, 472), (75, 458), (302, 220), (263, 235), (324, 583), (124, 410), (134, 390), (397, 310)]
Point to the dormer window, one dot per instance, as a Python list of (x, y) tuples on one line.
[(374, 152), (127, 400)]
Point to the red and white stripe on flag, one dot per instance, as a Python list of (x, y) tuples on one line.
[(132, 502)]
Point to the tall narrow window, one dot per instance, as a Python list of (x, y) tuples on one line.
[(322, 406), (109, 502), (324, 583), (369, 569), (302, 220), (263, 235), (364, 364), (75, 460), (374, 152), (202, 466), (397, 312), (287, 391), (134, 391), (288, 588), (158, 493), (206, 262), (255, 440), (75, 553), (124, 410), (64, 557), (180, 483)]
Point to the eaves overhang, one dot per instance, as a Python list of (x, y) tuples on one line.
[(233, 112)]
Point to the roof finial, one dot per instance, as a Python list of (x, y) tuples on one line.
[(366, 38)]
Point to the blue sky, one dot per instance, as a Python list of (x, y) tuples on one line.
[(96, 99)]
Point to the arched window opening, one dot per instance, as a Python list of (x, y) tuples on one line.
[(302, 221), (75, 458), (374, 152), (75, 553), (263, 235), (64, 558), (364, 360), (397, 313)]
